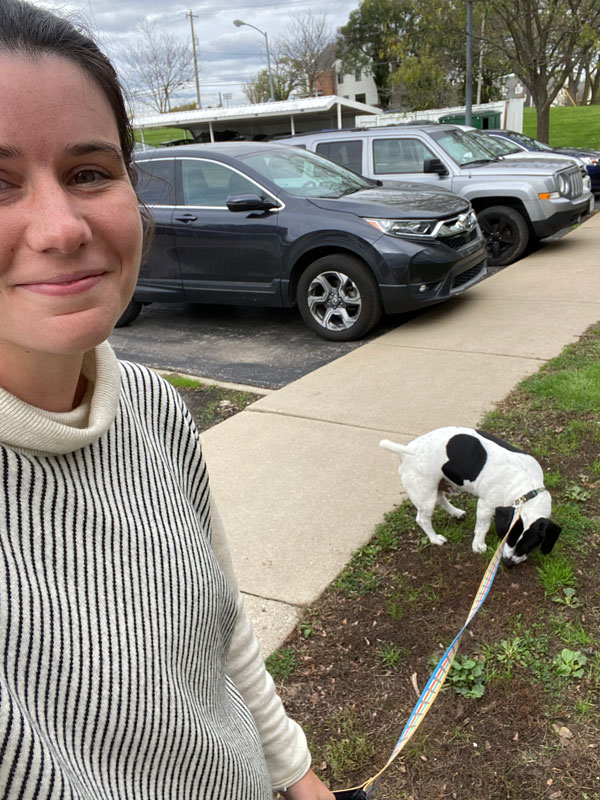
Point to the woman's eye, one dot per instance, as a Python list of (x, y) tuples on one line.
[(85, 176)]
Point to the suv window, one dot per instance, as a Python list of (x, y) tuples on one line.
[(461, 147), (207, 183), (155, 181), (348, 154), (399, 155)]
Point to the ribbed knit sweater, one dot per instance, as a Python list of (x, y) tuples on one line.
[(128, 668)]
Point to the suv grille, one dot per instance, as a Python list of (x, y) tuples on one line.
[(573, 175), (462, 240), (478, 271)]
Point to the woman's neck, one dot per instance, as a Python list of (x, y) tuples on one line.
[(51, 382)]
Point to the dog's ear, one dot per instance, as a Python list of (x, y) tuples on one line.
[(502, 518), (551, 534)]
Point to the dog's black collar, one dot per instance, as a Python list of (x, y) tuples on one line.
[(528, 496)]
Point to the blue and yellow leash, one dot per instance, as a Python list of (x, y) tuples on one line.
[(440, 673)]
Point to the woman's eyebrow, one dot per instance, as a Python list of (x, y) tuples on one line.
[(87, 148), (79, 149), (7, 151)]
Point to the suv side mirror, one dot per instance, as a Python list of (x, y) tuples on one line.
[(249, 202), (434, 165)]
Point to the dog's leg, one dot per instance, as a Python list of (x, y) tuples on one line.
[(444, 503), (424, 514), (422, 493), (483, 518)]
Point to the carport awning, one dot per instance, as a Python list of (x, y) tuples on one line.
[(263, 119)]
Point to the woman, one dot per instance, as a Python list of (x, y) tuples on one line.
[(128, 668)]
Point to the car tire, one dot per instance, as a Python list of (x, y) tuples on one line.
[(131, 312), (505, 232), (338, 298)]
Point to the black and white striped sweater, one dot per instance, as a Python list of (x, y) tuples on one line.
[(128, 669)]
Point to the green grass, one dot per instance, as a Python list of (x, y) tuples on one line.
[(156, 136), (570, 126), (350, 749), (282, 663), (555, 574), (569, 390)]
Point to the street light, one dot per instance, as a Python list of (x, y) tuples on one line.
[(238, 23)]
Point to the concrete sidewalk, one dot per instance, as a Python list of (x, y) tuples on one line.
[(298, 476)]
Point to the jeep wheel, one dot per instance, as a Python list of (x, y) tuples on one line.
[(505, 232), (338, 298)]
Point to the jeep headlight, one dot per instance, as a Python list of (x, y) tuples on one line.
[(404, 227), (589, 159), (563, 184)]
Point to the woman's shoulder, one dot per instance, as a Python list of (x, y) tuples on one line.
[(150, 393)]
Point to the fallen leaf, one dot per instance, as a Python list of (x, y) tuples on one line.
[(563, 733)]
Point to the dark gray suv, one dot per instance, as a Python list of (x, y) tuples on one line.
[(253, 223)]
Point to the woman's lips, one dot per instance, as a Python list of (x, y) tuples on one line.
[(62, 287)]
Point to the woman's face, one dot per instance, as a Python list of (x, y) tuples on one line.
[(70, 228)]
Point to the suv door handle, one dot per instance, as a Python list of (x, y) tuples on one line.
[(187, 218)]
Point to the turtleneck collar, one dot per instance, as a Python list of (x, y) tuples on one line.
[(28, 429)]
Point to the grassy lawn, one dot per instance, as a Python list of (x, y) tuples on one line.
[(156, 136), (574, 126), (519, 718)]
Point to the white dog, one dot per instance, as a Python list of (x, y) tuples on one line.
[(499, 474)]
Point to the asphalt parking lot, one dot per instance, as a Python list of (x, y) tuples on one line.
[(262, 347)]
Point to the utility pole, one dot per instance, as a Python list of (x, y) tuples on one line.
[(469, 75), (191, 16), (480, 71)]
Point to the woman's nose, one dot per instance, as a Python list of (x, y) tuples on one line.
[(56, 221)]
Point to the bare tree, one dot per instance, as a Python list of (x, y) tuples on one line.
[(159, 64), (543, 40), (302, 52), (258, 90)]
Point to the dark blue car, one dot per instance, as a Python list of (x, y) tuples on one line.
[(590, 158), (254, 223)]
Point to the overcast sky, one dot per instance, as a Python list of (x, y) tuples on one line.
[(228, 56)]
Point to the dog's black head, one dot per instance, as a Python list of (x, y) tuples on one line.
[(521, 542)]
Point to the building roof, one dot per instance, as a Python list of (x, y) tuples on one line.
[(280, 117)]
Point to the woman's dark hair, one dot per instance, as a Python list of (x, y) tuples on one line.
[(30, 31)]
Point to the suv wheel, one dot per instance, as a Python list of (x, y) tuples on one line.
[(131, 312), (338, 298), (505, 232)]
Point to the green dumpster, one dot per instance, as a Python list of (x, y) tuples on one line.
[(482, 120)]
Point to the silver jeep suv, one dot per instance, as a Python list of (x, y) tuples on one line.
[(516, 202)]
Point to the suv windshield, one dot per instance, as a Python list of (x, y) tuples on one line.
[(305, 174), (462, 147), (498, 147), (529, 143)]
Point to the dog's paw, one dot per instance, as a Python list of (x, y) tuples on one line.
[(479, 547), (437, 538), (457, 513)]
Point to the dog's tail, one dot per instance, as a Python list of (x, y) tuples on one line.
[(400, 449)]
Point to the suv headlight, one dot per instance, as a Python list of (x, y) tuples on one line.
[(404, 227), (563, 184), (589, 159), (426, 228)]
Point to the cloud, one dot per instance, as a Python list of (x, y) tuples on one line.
[(228, 56)]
